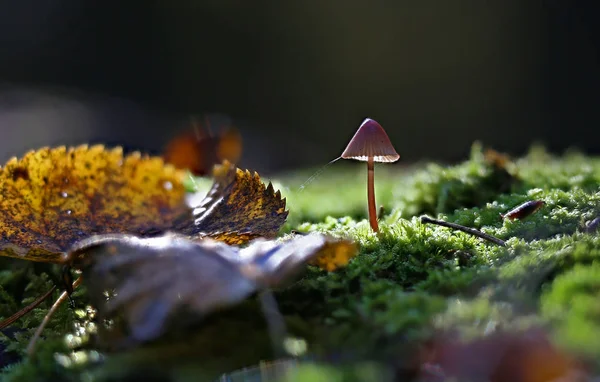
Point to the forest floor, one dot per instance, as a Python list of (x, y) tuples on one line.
[(420, 301)]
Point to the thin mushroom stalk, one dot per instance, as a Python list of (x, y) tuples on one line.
[(371, 194), (371, 144)]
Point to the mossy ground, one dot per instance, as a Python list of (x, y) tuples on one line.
[(411, 282)]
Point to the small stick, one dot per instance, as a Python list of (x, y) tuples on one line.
[(296, 232), (381, 212), (64, 296), (26, 309), (472, 231)]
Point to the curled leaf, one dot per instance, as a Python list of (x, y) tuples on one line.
[(53, 197), (238, 208), (153, 278)]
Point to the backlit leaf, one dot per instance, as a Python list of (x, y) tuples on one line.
[(153, 278), (53, 197), (238, 207)]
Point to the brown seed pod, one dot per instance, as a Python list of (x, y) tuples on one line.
[(523, 210)]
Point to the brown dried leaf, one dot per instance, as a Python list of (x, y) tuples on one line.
[(53, 197), (156, 277), (238, 208)]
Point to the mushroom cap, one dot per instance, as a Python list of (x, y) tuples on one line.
[(370, 141)]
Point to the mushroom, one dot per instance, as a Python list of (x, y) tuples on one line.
[(371, 144)]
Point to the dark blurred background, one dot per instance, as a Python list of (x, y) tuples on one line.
[(298, 77)]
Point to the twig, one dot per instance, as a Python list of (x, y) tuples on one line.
[(381, 212), (472, 231), (26, 309), (64, 296)]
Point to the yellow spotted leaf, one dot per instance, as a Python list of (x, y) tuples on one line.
[(238, 208), (53, 197)]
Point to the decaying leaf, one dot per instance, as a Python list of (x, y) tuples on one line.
[(153, 278), (53, 197), (238, 208)]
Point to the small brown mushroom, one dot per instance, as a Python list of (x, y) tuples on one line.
[(371, 144)]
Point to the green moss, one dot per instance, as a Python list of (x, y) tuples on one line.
[(363, 372), (405, 286), (443, 189), (572, 303), (311, 198)]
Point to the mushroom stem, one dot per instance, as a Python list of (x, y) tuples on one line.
[(371, 194)]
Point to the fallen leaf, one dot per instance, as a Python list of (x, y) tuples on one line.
[(238, 208), (198, 150), (153, 278), (183, 152), (53, 197), (230, 146)]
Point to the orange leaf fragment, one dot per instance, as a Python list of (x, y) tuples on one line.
[(335, 255), (198, 151)]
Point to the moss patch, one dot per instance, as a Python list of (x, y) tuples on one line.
[(408, 284)]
